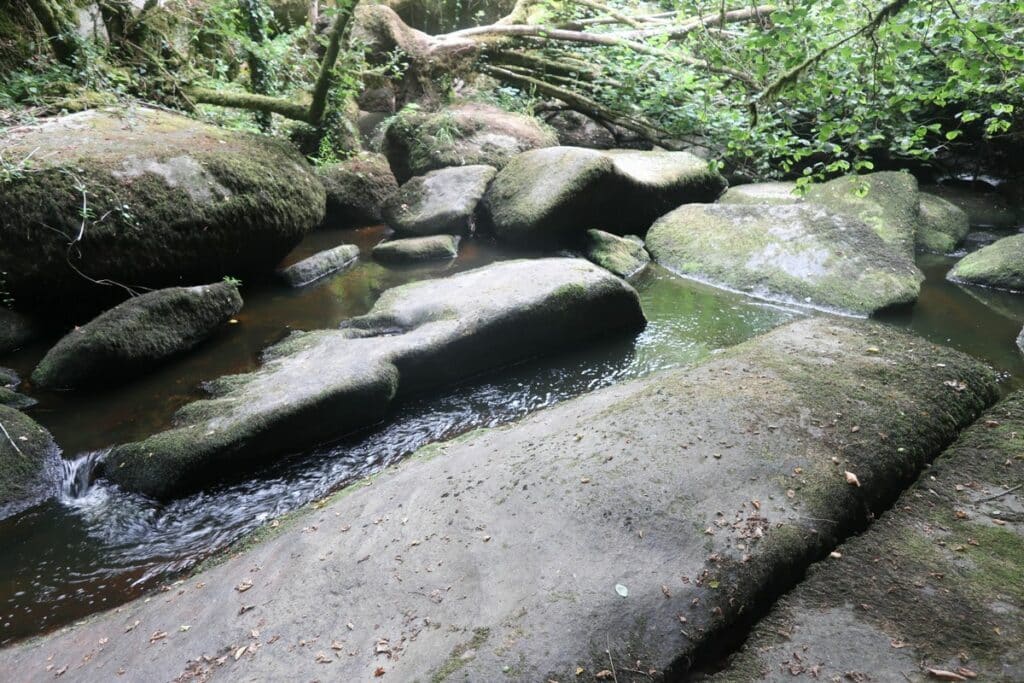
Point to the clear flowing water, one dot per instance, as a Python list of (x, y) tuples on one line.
[(91, 546)]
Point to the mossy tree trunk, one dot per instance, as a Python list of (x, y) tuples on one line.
[(55, 16)]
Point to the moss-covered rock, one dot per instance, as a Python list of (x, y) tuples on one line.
[(9, 381), (887, 201), (781, 192), (935, 583), (548, 196), (320, 265), (418, 249), (796, 253), (468, 134), (623, 256), (317, 386), (648, 184), (26, 451), (578, 130), (357, 188), (15, 330), (441, 201), (145, 198), (943, 225), (137, 335), (999, 265)]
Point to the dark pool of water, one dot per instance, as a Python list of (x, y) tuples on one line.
[(92, 546)]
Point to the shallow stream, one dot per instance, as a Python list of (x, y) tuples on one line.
[(92, 546)]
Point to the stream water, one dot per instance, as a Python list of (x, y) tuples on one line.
[(91, 546)]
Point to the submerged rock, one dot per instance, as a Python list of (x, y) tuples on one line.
[(137, 335), (887, 201), (169, 201), (15, 330), (761, 193), (935, 583), (356, 189), (797, 253), (315, 386), (551, 197), (26, 450), (943, 225), (702, 492), (548, 196), (983, 209), (416, 249), (623, 256), (462, 135), (319, 265), (12, 399), (442, 201), (999, 265)]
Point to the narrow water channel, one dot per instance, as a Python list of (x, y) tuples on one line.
[(92, 546)]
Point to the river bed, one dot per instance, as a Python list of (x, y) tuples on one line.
[(93, 546)]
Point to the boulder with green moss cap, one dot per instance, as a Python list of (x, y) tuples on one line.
[(999, 265), (418, 249), (624, 256), (943, 225), (467, 134), (888, 201), (796, 253), (934, 585), (145, 198), (27, 451), (316, 386), (134, 337), (438, 202), (356, 189)]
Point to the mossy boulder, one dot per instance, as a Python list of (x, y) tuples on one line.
[(356, 189), (16, 330), (316, 386), (548, 196), (417, 249), (943, 225), (624, 256), (887, 201), (935, 583), (9, 381), (780, 192), (551, 197), (27, 452), (145, 198), (796, 253), (999, 265), (320, 265), (648, 184), (578, 130), (134, 337), (441, 201), (462, 135)]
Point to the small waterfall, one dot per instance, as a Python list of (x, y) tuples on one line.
[(78, 474)]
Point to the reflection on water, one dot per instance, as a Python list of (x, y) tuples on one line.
[(94, 546)]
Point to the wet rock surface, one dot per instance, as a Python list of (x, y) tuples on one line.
[(418, 249), (356, 190), (315, 386), (548, 547), (181, 203), (442, 201), (27, 454), (136, 336), (943, 225), (934, 584), (319, 265), (999, 265), (797, 253)]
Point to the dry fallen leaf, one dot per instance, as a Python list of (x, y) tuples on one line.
[(580, 670), (240, 651), (852, 479), (244, 586), (965, 672), (604, 675), (835, 555), (131, 627), (322, 658), (378, 672), (943, 675), (666, 591)]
